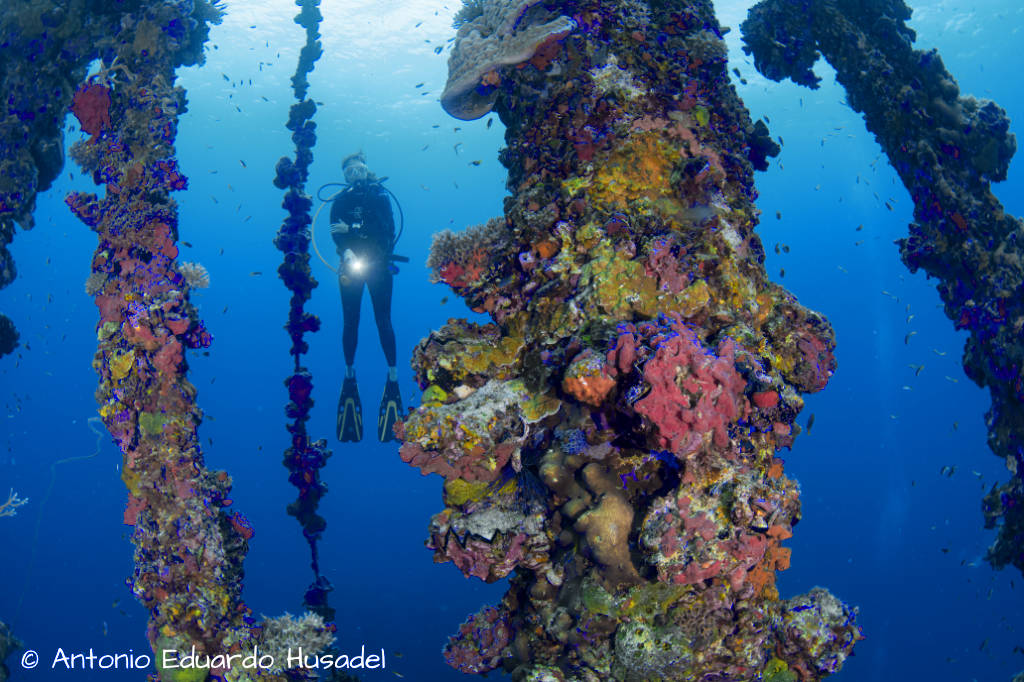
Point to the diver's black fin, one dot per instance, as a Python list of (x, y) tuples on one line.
[(350, 413), (390, 412)]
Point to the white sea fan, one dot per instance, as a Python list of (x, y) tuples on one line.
[(94, 283), (195, 275)]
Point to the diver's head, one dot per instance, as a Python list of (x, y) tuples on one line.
[(355, 169)]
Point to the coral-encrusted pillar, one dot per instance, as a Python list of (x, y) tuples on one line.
[(610, 440), (188, 545), (946, 150)]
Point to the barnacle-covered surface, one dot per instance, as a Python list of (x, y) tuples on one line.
[(610, 439), (947, 149)]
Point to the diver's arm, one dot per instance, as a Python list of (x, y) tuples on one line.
[(339, 228)]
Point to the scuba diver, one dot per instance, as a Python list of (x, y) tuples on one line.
[(363, 229)]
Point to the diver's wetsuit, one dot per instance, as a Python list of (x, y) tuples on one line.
[(366, 208)]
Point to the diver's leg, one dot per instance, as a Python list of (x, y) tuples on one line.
[(351, 300), (350, 410), (380, 285)]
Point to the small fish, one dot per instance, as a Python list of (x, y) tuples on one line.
[(255, 273), (188, 244), (938, 352), (456, 147), (782, 272), (247, 218), (810, 422), (956, 426), (917, 369), (859, 228), (435, 126), (264, 98), (782, 143), (777, 249), (221, 252), (888, 205), (418, 24), (456, 129), (909, 318), (785, 248), (489, 122), (419, 85), (906, 339), (858, 243), (224, 311), (951, 379), (243, 163), (225, 76), (476, 162), (778, 215), (425, 147), (945, 550), (437, 50), (842, 269), (948, 470), (444, 299)]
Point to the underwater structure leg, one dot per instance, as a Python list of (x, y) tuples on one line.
[(609, 441), (947, 149), (189, 545)]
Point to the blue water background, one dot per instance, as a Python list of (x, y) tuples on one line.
[(882, 528)]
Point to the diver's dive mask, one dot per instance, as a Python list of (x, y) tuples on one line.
[(356, 173)]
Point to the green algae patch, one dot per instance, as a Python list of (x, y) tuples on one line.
[(152, 423), (107, 330), (778, 671)]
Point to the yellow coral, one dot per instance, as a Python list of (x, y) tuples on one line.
[(121, 364), (458, 491)]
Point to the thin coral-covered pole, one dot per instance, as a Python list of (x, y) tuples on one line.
[(188, 544)]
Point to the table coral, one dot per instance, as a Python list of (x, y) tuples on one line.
[(503, 34)]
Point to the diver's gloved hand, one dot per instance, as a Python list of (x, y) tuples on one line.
[(340, 227)]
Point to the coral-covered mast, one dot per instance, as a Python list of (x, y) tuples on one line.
[(188, 545), (303, 458), (610, 440), (946, 150)]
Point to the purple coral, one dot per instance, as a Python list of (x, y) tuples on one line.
[(481, 643)]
